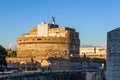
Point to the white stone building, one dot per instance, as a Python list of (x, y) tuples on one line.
[(113, 55), (93, 52)]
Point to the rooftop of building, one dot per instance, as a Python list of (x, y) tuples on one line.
[(114, 30)]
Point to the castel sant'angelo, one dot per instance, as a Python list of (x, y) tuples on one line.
[(47, 45)]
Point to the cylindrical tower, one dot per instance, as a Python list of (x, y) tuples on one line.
[(113, 55)]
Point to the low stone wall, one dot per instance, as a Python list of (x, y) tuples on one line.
[(61, 75)]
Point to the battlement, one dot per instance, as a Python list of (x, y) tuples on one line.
[(33, 31), (43, 40)]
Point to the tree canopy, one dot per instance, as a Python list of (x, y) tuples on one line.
[(3, 54), (12, 54), (3, 51)]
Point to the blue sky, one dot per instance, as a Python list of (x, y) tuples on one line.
[(91, 18)]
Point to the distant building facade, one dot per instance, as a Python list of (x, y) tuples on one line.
[(93, 52), (113, 55), (47, 45)]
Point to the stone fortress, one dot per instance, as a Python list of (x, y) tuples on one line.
[(46, 46)]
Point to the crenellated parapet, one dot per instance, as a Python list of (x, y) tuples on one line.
[(36, 39)]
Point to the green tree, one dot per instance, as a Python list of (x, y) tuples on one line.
[(3, 54), (3, 51), (12, 54)]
